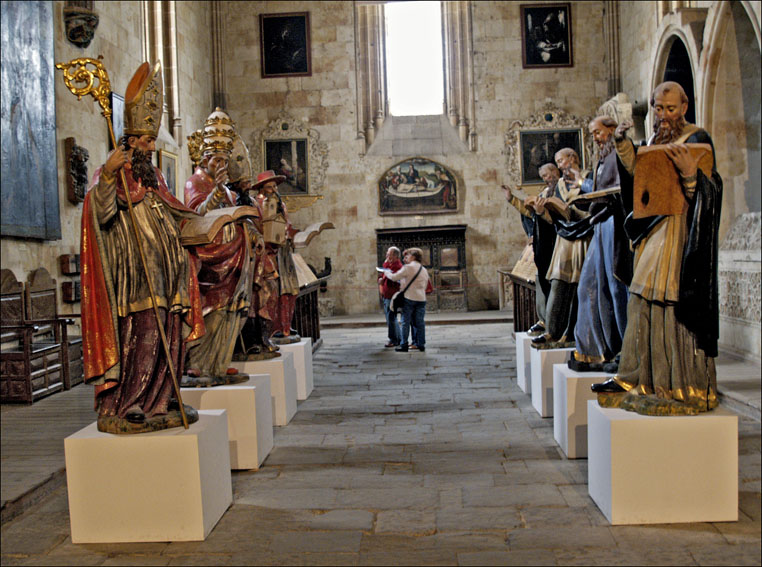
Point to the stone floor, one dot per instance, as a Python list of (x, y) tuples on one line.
[(417, 458)]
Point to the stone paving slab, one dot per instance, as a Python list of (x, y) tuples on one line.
[(435, 459)]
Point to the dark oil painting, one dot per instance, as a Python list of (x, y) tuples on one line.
[(285, 44), (546, 35), (539, 147)]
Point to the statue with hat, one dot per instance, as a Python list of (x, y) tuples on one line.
[(225, 264), (254, 339), (139, 287), (278, 235)]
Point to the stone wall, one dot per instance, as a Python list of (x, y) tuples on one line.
[(119, 38), (326, 102), (638, 41)]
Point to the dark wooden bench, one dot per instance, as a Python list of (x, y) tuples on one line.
[(42, 305), (29, 369)]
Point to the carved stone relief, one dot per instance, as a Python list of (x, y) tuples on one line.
[(739, 295), (550, 117), (744, 234), (740, 281), (76, 173), (286, 127), (81, 22)]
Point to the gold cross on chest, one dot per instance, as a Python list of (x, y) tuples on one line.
[(156, 205)]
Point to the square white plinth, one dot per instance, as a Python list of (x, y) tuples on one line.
[(571, 392), (171, 485), (250, 417), (302, 352), (523, 362), (282, 383), (658, 470), (542, 362)]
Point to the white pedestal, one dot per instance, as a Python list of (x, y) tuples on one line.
[(250, 417), (302, 352), (571, 392), (523, 362), (171, 485), (542, 362), (282, 383), (656, 470)]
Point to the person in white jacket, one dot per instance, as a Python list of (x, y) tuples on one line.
[(414, 307)]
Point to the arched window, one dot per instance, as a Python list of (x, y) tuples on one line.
[(414, 70), (160, 44), (457, 62)]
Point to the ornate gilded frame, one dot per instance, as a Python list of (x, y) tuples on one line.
[(549, 118), (286, 127)]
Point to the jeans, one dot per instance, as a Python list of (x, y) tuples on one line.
[(412, 316), (391, 322)]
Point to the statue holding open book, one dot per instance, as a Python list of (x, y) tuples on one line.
[(673, 195), (278, 235), (569, 250), (543, 239), (607, 270), (223, 238)]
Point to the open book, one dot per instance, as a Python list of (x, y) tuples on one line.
[(553, 205), (202, 230), (525, 267), (559, 207), (657, 189), (304, 274), (303, 238)]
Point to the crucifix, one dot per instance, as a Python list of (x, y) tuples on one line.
[(156, 205)]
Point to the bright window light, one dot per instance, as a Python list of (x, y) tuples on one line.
[(414, 58)]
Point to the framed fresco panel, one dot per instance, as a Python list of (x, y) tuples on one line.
[(415, 186), (538, 147), (284, 41), (168, 167), (546, 36), (288, 157)]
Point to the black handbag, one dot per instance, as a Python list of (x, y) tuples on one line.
[(398, 299)]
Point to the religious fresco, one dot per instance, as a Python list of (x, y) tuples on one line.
[(415, 186)]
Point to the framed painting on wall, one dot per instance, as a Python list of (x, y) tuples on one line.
[(168, 167), (546, 38), (117, 117), (284, 41), (538, 147), (415, 186), (288, 157)]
